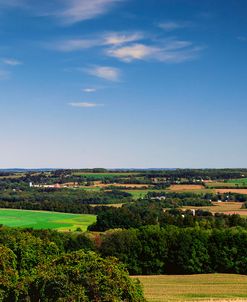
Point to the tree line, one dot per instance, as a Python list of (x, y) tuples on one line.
[(152, 213), (174, 250)]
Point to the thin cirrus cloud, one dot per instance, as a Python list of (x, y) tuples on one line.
[(174, 25), (85, 104), (66, 12), (105, 72), (132, 52), (89, 90), (71, 45), (109, 39), (11, 62), (80, 10), (115, 38), (128, 47), (174, 51)]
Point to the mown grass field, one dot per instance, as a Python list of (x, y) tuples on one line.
[(45, 220), (220, 184), (211, 287), (231, 183), (220, 207), (241, 181)]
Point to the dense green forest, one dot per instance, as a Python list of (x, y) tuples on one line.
[(173, 250)]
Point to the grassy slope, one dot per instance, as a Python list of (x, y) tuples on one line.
[(213, 287), (45, 220), (238, 181), (231, 183)]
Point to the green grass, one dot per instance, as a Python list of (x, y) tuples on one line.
[(95, 189), (231, 183), (136, 194), (211, 287), (240, 182), (221, 184), (142, 193), (45, 220)]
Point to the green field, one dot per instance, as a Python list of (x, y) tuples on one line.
[(231, 183), (212, 287), (221, 184), (240, 182), (45, 220)]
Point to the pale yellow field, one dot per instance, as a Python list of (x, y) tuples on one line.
[(223, 207), (208, 287), (179, 188)]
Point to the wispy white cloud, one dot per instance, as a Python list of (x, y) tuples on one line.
[(133, 52), (124, 46), (180, 56), (116, 38), (174, 25), (100, 40), (173, 51), (70, 45), (85, 104), (11, 62), (105, 72), (89, 90), (66, 11), (80, 10)]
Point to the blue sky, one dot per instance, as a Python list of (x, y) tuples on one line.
[(123, 83)]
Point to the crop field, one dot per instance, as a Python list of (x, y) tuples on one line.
[(45, 220), (239, 191), (223, 207), (178, 188), (211, 287)]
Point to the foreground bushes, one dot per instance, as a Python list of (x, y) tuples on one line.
[(78, 276), (49, 266)]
